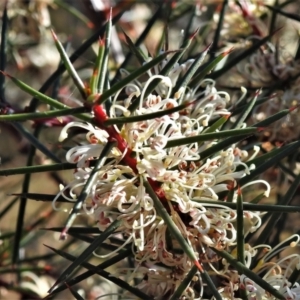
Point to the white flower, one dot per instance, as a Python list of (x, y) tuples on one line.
[(36, 284), (261, 70)]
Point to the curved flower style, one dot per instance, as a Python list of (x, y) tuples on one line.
[(177, 175)]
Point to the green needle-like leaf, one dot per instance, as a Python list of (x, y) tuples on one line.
[(210, 136), (134, 75), (233, 62), (85, 46), (207, 68), (172, 226), (38, 258), (184, 284), (150, 116), (7, 235), (138, 42), (8, 207), (248, 109), (284, 201), (79, 230), (74, 293), (106, 246), (171, 63), (262, 158), (294, 276), (242, 106), (274, 118), (43, 98), (163, 43), (251, 206), (297, 55), (176, 57), (100, 271), (221, 15), (291, 16), (86, 253), (113, 245), (180, 10), (23, 202), (189, 25), (142, 58), (244, 270), (229, 197), (96, 73), (103, 69), (44, 115), (38, 169), (46, 257), (69, 67), (285, 151), (257, 198), (184, 81), (233, 140), (273, 18), (216, 125), (287, 170), (21, 270), (35, 142), (240, 228), (211, 285), (220, 146), (102, 90), (75, 12)]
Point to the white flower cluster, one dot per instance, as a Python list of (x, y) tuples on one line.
[(247, 14), (262, 70), (180, 179)]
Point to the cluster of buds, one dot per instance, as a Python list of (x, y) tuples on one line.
[(262, 69)]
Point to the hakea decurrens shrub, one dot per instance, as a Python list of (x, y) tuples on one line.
[(150, 162)]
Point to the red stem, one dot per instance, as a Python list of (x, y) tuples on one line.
[(100, 117)]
